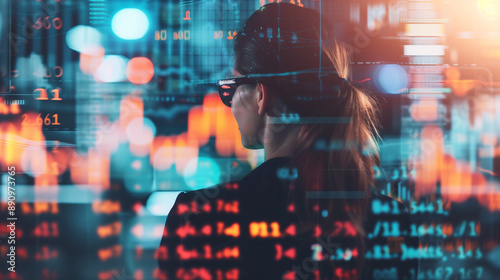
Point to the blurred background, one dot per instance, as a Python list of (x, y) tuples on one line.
[(108, 109)]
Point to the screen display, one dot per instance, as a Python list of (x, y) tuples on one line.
[(110, 117)]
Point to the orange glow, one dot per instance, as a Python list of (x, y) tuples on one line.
[(45, 207), (461, 87), (109, 230), (140, 70), (289, 253), (431, 149), (105, 254), (198, 125), (228, 253), (258, 229), (224, 131), (43, 230), (45, 254), (291, 230), (138, 230), (79, 168), (131, 107), (210, 104), (14, 109), (186, 230), (489, 139), (4, 109), (489, 9), (185, 151), (161, 253), (106, 207), (206, 230), (61, 158), (186, 254), (290, 275), (139, 274), (98, 168), (229, 207), (10, 152), (45, 180), (426, 109), (452, 73), (162, 152), (233, 230), (457, 185), (241, 152), (90, 59)]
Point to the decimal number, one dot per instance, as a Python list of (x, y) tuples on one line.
[(48, 120), (447, 273), (430, 207)]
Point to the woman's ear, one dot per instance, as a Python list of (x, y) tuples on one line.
[(264, 98)]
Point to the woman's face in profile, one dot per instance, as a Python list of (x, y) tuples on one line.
[(244, 107)]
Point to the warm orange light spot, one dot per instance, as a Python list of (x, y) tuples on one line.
[(426, 109), (198, 125), (109, 230), (140, 70), (106, 207), (430, 162), (162, 152), (14, 109), (186, 254), (233, 230), (258, 229), (185, 150), (185, 230), (452, 73), (114, 251), (161, 253), (138, 230), (90, 59)]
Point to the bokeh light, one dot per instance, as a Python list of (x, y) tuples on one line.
[(90, 59), (201, 172), (130, 24), (390, 78), (489, 9), (33, 161), (141, 131), (140, 70), (82, 38), (111, 69), (160, 203)]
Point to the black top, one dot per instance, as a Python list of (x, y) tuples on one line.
[(246, 230)]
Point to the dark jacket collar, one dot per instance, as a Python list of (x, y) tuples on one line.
[(268, 168)]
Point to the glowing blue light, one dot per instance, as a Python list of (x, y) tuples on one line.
[(82, 38), (112, 69), (201, 172), (391, 78), (324, 213), (130, 24), (160, 203)]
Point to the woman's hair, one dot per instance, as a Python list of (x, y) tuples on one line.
[(285, 38)]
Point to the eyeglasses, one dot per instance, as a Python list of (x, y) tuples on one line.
[(227, 87)]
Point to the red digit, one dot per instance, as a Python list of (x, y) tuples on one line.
[(46, 23), (57, 22)]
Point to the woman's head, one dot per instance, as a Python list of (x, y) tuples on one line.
[(287, 39), (333, 144)]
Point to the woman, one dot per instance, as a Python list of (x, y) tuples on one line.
[(305, 213)]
